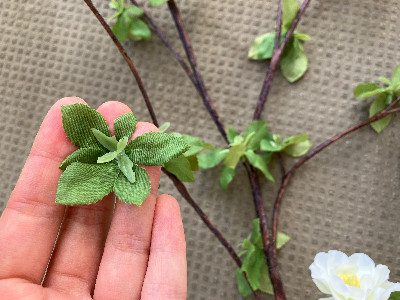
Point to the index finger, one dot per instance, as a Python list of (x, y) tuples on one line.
[(31, 220)]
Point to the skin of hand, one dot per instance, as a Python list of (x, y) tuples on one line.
[(126, 252)]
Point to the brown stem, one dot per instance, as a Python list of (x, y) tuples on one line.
[(389, 110), (192, 60), (127, 59), (167, 43), (273, 65), (265, 232), (185, 194)]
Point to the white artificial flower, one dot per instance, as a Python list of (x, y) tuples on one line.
[(351, 278)]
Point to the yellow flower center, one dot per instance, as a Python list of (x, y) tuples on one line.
[(350, 279)]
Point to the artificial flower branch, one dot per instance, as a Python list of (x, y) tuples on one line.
[(178, 184), (277, 56), (286, 179)]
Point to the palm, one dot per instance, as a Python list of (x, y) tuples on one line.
[(102, 252)]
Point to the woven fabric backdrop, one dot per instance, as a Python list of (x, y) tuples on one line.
[(347, 198)]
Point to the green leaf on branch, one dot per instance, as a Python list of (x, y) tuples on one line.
[(164, 127), (138, 30), (156, 3), (294, 61), (301, 36), (86, 183), (255, 132), (227, 175), (231, 134), (234, 155), (263, 46), (396, 79), (290, 9), (212, 158), (196, 144), (83, 155), (297, 145), (260, 162), (125, 126), (243, 286), (252, 265), (377, 106), (365, 90), (385, 80), (181, 168), (265, 281)]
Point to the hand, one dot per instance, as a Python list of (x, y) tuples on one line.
[(127, 253)]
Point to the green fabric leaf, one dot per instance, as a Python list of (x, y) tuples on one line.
[(262, 46), (260, 162), (255, 236), (107, 142), (83, 155), (377, 106), (252, 265), (299, 149), (78, 119), (126, 167), (156, 3), (385, 80), (125, 126), (196, 144), (281, 240), (155, 148), (396, 78), (395, 296), (270, 145), (180, 167), (365, 90), (107, 157), (234, 155), (226, 177), (193, 161), (134, 11), (290, 9), (120, 29), (138, 30), (122, 144), (259, 130), (301, 36), (133, 193), (265, 281), (164, 126), (295, 139), (212, 158), (243, 285), (294, 62), (86, 183), (231, 134)]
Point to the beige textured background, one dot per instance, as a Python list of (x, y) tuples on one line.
[(347, 198)]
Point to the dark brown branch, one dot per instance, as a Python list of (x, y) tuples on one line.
[(127, 59), (185, 194), (389, 110), (273, 65), (192, 60), (265, 232), (167, 43)]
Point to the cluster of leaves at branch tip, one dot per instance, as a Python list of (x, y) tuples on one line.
[(257, 145), (294, 62), (105, 163), (384, 97), (254, 262)]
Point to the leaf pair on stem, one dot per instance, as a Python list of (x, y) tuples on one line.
[(106, 163), (294, 62)]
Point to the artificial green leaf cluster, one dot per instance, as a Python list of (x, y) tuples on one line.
[(384, 97), (256, 145), (185, 164), (254, 262), (294, 62), (106, 163), (129, 23), (395, 296)]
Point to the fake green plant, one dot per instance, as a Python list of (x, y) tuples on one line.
[(385, 97), (105, 163), (294, 61), (254, 262)]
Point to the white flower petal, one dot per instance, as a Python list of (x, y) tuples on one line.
[(322, 285)]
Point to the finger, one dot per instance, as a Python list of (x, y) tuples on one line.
[(166, 272), (74, 266), (124, 262), (31, 220)]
